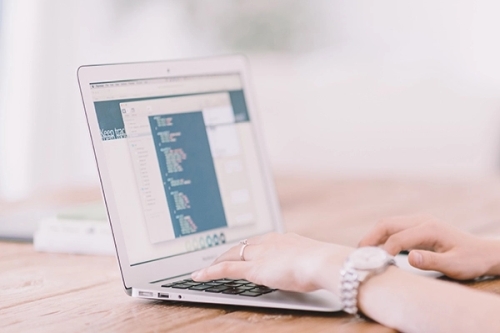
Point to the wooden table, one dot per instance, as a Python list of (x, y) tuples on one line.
[(43, 292)]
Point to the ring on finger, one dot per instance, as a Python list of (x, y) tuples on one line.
[(244, 244)]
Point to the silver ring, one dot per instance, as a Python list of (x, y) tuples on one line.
[(244, 244)]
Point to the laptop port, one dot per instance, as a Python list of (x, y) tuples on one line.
[(162, 295), (145, 294)]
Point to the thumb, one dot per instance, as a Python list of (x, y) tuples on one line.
[(427, 260)]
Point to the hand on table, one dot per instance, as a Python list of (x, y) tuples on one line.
[(285, 261), (436, 245)]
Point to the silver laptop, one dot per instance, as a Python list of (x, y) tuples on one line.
[(183, 176)]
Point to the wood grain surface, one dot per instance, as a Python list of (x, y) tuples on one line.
[(42, 292)]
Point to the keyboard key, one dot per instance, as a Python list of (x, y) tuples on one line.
[(250, 294), (232, 284), (192, 283), (181, 286), (223, 280), (212, 283), (232, 291), (244, 288), (241, 281), (216, 289), (168, 285), (262, 290), (200, 287)]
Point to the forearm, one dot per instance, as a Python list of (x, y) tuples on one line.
[(412, 303)]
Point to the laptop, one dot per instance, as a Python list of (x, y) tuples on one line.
[(184, 176)]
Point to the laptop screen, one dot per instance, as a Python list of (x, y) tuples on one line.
[(183, 163)]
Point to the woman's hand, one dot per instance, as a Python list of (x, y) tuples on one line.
[(436, 246), (284, 261)]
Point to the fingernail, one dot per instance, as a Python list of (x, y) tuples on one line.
[(418, 258), (195, 275)]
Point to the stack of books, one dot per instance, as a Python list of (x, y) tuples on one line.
[(82, 229)]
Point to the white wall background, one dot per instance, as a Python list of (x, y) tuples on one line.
[(357, 88), (405, 88)]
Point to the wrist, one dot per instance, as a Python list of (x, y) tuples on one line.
[(328, 275), (363, 264), (379, 284)]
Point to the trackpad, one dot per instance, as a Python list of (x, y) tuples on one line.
[(402, 262)]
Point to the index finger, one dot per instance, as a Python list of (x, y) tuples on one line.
[(387, 227), (222, 270), (419, 237)]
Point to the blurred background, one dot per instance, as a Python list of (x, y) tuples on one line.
[(354, 88)]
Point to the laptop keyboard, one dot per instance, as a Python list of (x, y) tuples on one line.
[(223, 286)]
